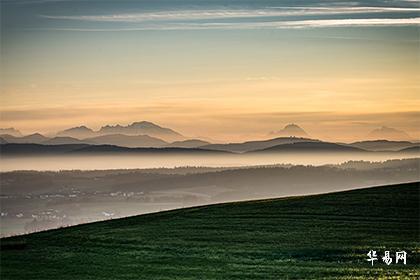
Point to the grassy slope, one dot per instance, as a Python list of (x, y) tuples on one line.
[(303, 237)]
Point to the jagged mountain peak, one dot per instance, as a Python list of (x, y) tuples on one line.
[(388, 133), (11, 131), (291, 130), (143, 128)]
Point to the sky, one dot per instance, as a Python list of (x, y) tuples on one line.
[(224, 70)]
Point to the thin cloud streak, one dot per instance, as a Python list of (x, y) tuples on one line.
[(353, 22), (319, 23), (219, 14)]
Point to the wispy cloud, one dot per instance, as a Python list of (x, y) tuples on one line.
[(351, 22), (319, 23), (219, 14)]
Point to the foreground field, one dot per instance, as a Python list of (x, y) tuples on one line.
[(321, 236)]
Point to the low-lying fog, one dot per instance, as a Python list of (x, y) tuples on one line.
[(34, 200), (102, 162)]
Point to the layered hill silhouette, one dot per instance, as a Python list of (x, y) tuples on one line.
[(382, 145), (65, 140), (414, 149), (256, 145), (68, 149), (38, 149), (117, 143), (191, 143), (146, 134), (131, 141), (136, 135), (309, 147), (35, 138), (79, 132)]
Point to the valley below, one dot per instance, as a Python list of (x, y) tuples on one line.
[(38, 200)]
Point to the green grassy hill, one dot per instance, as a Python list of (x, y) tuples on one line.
[(320, 236)]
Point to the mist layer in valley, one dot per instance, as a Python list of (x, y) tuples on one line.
[(171, 160), (35, 200)]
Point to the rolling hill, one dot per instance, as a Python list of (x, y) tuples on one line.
[(256, 145), (130, 141), (24, 149), (12, 149), (414, 149), (191, 143), (319, 236), (382, 145), (309, 147), (64, 140)]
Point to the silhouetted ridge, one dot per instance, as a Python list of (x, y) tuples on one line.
[(311, 147), (382, 145), (26, 149), (256, 145), (415, 149)]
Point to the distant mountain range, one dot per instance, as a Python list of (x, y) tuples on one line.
[(35, 138), (11, 131), (145, 134), (79, 132), (290, 130), (134, 129), (131, 141), (143, 128), (388, 133)]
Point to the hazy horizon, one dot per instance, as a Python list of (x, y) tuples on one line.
[(235, 139), (224, 70)]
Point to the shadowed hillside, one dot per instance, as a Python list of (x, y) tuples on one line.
[(382, 145), (256, 145), (310, 147), (11, 149), (321, 236)]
